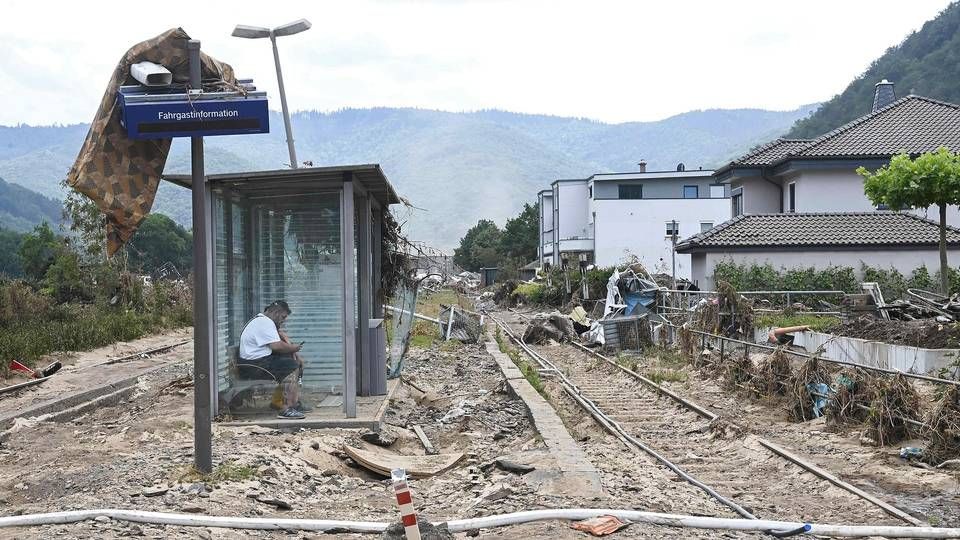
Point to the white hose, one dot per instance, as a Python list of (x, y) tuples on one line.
[(570, 514)]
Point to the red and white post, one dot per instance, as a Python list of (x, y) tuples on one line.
[(407, 514)]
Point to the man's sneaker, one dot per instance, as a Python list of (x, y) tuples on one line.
[(290, 414), (302, 407)]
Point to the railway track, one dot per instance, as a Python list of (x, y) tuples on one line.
[(751, 475)]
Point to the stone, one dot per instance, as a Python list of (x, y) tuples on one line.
[(513, 466), (428, 531), (102, 519), (273, 501), (154, 491), (380, 438), (192, 509), (267, 471)]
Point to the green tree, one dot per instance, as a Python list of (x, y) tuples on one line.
[(37, 251), (479, 246), (933, 178), (9, 246), (158, 240), (519, 238)]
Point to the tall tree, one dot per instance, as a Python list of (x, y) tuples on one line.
[(9, 260), (478, 247), (933, 178), (37, 251), (158, 240), (519, 239)]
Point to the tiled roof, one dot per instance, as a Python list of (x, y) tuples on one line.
[(813, 230), (771, 152), (912, 124)]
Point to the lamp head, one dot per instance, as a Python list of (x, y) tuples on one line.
[(250, 32)]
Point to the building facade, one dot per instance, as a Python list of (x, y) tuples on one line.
[(608, 219)]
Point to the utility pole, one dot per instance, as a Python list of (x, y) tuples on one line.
[(673, 252)]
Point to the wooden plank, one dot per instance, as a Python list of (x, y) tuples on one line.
[(382, 462), (427, 445)]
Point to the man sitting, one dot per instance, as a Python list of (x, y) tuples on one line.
[(264, 345)]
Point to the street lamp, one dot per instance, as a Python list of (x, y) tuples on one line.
[(256, 32)]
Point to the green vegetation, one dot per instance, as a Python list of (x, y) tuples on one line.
[(666, 375), (227, 471), (933, 178), (926, 63), (529, 293), (530, 372), (815, 322), (159, 240), (71, 298), (765, 277), (485, 245), (21, 209)]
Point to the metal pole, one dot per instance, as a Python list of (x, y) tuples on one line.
[(283, 103), (673, 253), (202, 445), (450, 323)]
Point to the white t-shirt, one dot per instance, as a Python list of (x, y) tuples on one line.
[(256, 337)]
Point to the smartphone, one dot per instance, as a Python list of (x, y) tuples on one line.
[(301, 343)]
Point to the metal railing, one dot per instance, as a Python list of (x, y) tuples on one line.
[(683, 300)]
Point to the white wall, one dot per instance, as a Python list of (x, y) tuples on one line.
[(834, 190), (573, 208), (759, 196), (906, 261), (638, 227)]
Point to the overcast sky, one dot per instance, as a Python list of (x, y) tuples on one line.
[(611, 61)]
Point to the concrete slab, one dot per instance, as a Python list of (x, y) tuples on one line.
[(574, 475)]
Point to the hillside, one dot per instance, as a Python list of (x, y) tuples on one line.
[(926, 63), (21, 208), (454, 167)]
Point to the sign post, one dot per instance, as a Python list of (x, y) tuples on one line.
[(202, 291)]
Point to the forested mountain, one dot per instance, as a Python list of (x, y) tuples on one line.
[(454, 167), (21, 208), (926, 63)]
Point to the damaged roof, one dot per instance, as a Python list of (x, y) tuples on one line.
[(912, 124), (834, 230)]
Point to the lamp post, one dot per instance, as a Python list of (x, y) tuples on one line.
[(256, 32)]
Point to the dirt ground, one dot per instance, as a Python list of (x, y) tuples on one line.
[(138, 455), (926, 334), (933, 496)]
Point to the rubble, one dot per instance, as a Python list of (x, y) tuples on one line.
[(553, 326)]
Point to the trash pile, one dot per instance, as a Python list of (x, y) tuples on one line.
[(546, 327), (462, 282)]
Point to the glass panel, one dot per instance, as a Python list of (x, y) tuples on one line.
[(279, 247), (630, 192), (706, 226), (691, 192)]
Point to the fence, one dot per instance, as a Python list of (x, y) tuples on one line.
[(683, 301)]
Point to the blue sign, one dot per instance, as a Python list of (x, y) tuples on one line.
[(148, 114)]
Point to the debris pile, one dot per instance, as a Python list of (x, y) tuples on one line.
[(943, 429), (772, 375), (729, 313), (811, 391), (544, 327), (851, 396), (893, 399)]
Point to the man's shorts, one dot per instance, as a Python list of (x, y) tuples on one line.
[(279, 365)]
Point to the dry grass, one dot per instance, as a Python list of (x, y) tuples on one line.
[(943, 428), (772, 376), (892, 400), (811, 372)]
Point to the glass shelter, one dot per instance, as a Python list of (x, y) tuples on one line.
[(312, 238)]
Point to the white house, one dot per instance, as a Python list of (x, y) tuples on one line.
[(816, 180), (545, 244), (607, 218), (880, 239)]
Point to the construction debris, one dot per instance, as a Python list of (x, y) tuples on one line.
[(382, 462), (600, 526), (811, 390), (545, 327), (894, 402)]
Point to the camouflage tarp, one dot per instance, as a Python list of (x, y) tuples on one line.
[(120, 174)]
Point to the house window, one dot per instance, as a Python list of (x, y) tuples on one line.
[(717, 191), (631, 192), (706, 226), (737, 203), (793, 197), (691, 192), (673, 228), (591, 192)]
